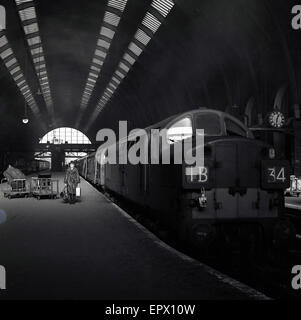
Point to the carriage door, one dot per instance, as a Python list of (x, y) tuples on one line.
[(249, 179), (225, 178)]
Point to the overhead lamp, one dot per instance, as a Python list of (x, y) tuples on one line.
[(25, 119)]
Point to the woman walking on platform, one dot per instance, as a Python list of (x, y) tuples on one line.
[(71, 181)]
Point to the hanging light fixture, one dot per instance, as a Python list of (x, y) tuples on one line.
[(25, 119)]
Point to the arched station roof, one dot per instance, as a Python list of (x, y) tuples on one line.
[(88, 64)]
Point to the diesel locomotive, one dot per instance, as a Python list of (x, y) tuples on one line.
[(237, 195)]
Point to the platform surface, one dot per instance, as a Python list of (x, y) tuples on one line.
[(91, 250)]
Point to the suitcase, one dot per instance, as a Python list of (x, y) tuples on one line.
[(78, 192)]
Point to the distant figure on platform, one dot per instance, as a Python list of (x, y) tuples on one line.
[(71, 181)]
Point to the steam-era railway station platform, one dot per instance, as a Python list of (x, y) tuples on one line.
[(93, 249)]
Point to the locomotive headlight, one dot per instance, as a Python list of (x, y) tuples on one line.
[(272, 153)]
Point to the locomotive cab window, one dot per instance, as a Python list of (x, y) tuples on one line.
[(180, 130), (233, 129), (210, 123)]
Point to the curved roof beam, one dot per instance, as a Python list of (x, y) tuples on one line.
[(111, 21), (13, 67), (28, 17), (154, 17)]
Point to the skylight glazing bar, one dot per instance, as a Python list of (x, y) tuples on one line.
[(30, 25), (149, 26), (17, 75), (106, 35)]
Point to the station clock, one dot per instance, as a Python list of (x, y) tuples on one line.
[(276, 119)]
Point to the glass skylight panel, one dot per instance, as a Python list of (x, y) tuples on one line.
[(3, 41), (116, 79), (27, 14), (111, 18), (20, 83), (38, 50), (151, 22), (18, 76), (102, 43), (10, 62), (40, 66), (14, 70), (33, 41), (22, 1), (93, 75), (95, 68), (129, 58), (24, 88), (117, 4), (89, 85), (4, 54), (135, 49), (97, 61), (163, 6), (113, 85), (124, 67), (38, 59), (110, 90), (142, 37), (31, 28), (109, 33), (107, 93), (118, 73), (100, 53)]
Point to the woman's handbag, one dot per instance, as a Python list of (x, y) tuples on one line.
[(78, 192), (64, 194)]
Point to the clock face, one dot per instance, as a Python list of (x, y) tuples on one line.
[(276, 119)]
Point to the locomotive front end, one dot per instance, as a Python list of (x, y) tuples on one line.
[(237, 197)]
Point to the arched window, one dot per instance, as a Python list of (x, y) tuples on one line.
[(65, 135)]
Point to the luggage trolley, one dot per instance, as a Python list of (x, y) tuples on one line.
[(17, 189), (44, 186)]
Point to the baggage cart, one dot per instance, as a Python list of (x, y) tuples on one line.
[(17, 188), (44, 187)]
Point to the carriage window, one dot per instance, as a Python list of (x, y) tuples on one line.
[(180, 130), (233, 129), (210, 123)]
